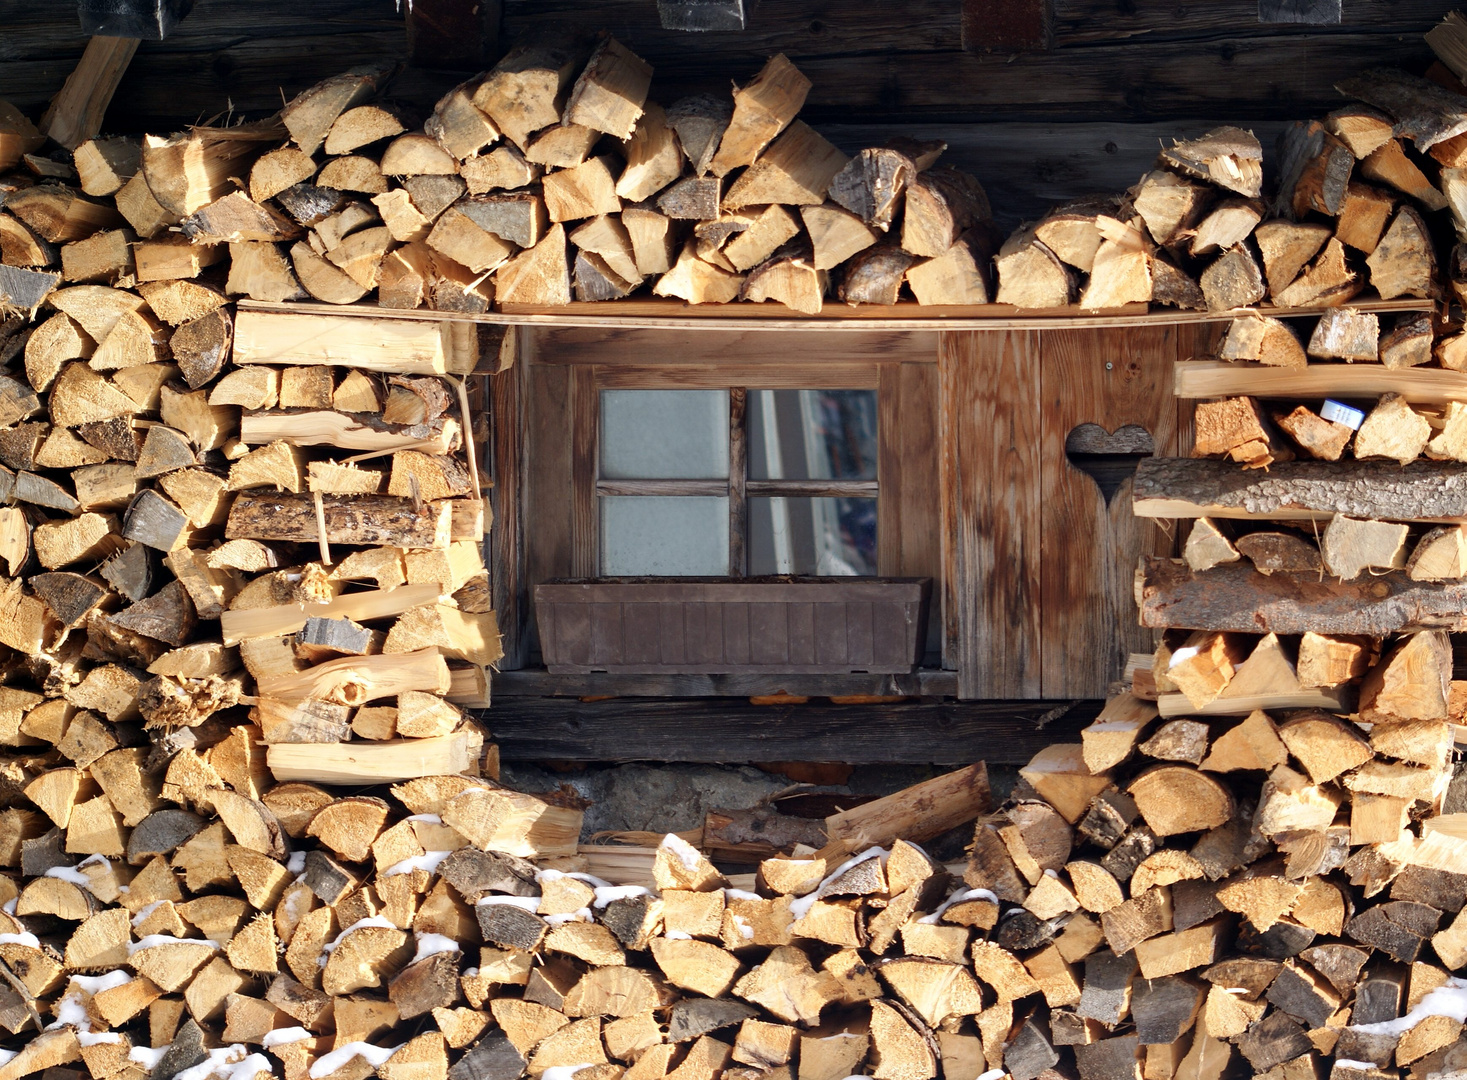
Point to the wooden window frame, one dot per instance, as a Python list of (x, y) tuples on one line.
[(544, 441), (739, 488)]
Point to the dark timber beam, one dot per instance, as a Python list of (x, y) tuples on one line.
[(453, 34), (151, 20), (1008, 26), (1310, 12), (702, 15), (736, 732)]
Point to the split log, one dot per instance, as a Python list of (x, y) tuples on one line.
[(693, 198), (796, 170), (791, 278), (653, 157), (525, 91), (875, 275), (1234, 280), (1364, 214), (1390, 165), (1316, 168), (1346, 334), (1192, 487), (1169, 205), (1286, 247), (1226, 156), (1237, 598), (1030, 275), (610, 91), (940, 205), (1071, 231), (1264, 340), (762, 109), (1404, 262), (871, 183), (1325, 282), (1393, 430), (564, 146)]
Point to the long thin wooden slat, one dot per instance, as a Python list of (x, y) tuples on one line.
[(1170, 705), (889, 471), (949, 475), (991, 434), (717, 488), (585, 415), (924, 682), (238, 626), (549, 488), (1111, 378), (507, 452), (753, 376), (745, 346), (738, 482), (362, 764), (1215, 378), (1428, 491), (673, 315), (918, 501), (723, 591)]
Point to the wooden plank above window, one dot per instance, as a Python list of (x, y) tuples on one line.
[(788, 376), (802, 349)]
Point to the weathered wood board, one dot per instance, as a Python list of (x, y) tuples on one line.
[(991, 429), (1039, 599)]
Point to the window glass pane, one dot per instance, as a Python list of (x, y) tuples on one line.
[(824, 537), (664, 435), (812, 434), (664, 535)]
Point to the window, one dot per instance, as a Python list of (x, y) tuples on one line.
[(643, 464), (737, 482)]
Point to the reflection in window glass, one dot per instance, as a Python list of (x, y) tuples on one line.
[(824, 537), (812, 434), (664, 535), (664, 435)]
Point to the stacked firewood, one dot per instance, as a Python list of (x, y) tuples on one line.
[(1273, 891), (243, 557), (1285, 758), (1197, 232), (530, 184)]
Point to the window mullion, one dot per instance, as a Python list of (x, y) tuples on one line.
[(738, 503)]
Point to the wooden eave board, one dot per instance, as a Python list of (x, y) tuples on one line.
[(1215, 379), (674, 314)]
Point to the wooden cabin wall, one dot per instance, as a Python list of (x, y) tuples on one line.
[(1035, 128)]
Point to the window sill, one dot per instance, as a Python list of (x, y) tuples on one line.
[(538, 683)]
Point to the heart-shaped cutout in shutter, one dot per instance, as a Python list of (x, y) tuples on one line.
[(1108, 458)]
